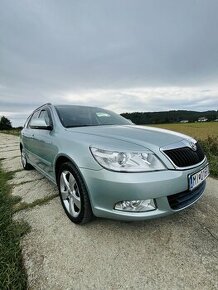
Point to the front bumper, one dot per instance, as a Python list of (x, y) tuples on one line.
[(106, 188)]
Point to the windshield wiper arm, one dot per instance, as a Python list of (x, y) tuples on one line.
[(75, 126)]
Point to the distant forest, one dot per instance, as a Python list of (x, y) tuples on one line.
[(141, 118)]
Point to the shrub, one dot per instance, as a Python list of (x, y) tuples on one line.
[(210, 146)]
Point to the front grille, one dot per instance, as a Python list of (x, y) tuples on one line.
[(185, 198), (185, 156)]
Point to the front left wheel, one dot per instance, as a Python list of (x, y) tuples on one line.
[(73, 194)]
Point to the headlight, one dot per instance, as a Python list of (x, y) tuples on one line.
[(127, 161)]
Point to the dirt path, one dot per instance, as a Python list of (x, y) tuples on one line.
[(177, 252)]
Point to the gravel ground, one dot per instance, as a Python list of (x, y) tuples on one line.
[(176, 252)]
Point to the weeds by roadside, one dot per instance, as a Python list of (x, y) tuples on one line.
[(15, 132), (206, 133), (12, 273), (40, 201), (210, 146)]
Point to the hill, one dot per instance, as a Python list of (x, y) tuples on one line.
[(164, 117)]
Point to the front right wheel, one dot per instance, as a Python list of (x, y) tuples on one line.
[(73, 194)]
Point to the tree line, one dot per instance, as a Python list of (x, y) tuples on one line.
[(141, 118), (5, 123)]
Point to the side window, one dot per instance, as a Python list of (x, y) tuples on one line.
[(45, 115), (34, 116)]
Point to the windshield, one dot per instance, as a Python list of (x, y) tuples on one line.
[(80, 116)]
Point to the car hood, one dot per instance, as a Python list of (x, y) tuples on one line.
[(140, 135)]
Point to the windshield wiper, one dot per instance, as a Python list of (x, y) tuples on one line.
[(85, 125), (75, 126)]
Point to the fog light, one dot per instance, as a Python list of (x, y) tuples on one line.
[(136, 205)]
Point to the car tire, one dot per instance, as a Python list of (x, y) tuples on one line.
[(73, 194), (24, 163)]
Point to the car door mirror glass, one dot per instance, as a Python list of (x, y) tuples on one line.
[(40, 124)]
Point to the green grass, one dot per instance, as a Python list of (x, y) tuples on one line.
[(210, 146), (40, 201), (15, 132), (12, 273), (197, 130)]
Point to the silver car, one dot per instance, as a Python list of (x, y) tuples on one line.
[(105, 166)]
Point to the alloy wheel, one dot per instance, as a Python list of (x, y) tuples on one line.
[(70, 193)]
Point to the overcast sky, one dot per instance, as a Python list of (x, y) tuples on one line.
[(122, 55)]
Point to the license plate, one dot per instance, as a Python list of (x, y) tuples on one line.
[(198, 178)]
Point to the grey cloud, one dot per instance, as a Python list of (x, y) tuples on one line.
[(6, 106), (110, 43), (50, 47), (203, 103)]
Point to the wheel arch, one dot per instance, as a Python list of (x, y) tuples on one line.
[(62, 159), (65, 158)]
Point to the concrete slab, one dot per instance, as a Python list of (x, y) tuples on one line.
[(25, 176), (11, 164), (176, 252), (36, 189), (9, 153), (6, 139), (9, 149)]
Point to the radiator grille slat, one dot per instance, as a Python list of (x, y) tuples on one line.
[(185, 156), (185, 198)]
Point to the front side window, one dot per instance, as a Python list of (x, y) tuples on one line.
[(34, 117), (79, 116), (44, 115)]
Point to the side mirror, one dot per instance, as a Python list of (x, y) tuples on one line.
[(40, 124)]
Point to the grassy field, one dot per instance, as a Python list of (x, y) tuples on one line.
[(12, 273), (196, 130)]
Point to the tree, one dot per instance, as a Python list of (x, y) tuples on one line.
[(5, 124)]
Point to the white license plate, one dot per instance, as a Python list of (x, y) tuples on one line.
[(198, 178)]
